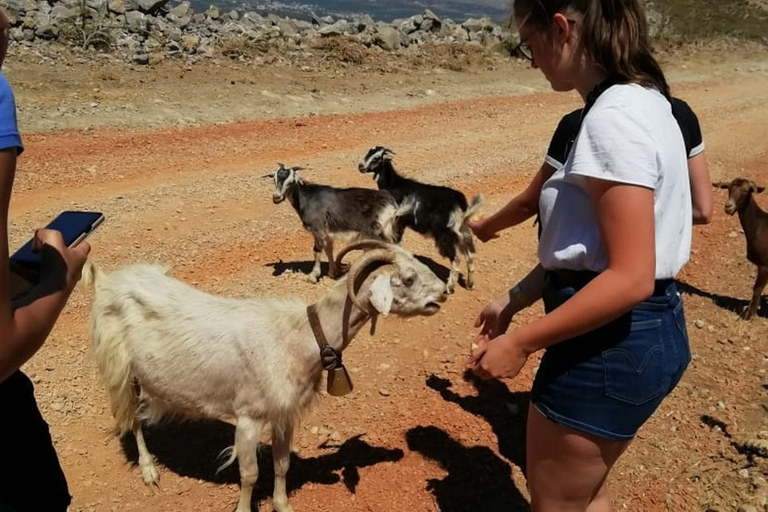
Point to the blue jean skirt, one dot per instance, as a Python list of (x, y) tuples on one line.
[(609, 381)]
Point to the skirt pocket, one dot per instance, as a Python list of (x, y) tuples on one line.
[(635, 368)]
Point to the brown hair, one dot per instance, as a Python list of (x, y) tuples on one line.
[(614, 35)]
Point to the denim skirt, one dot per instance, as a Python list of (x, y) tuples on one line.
[(609, 381)]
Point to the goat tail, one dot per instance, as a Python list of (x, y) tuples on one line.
[(458, 222), (231, 453), (113, 361), (472, 209), (91, 274), (393, 224)]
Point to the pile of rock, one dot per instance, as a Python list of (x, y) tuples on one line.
[(139, 29)]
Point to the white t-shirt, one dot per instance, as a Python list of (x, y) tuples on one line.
[(628, 136)]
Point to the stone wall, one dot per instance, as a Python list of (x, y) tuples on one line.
[(138, 29)]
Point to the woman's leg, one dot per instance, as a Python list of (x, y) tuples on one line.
[(567, 468)]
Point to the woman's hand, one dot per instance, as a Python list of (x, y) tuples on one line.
[(481, 230), (59, 264), (494, 319), (497, 358)]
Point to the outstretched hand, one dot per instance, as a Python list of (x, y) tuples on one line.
[(495, 318), (497, 358), (480, 229)]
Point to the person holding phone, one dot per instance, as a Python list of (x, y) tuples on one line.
[(616, 223), (31, 478)]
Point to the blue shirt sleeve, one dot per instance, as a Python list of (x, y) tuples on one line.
[(9, 130)]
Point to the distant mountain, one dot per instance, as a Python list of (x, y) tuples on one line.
[(381, 10)]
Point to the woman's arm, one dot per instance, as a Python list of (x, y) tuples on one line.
[(521, 207), (701, 189), (494, 319), (626, 222), (25, 326)]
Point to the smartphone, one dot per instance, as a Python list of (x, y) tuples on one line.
[(74, 226)]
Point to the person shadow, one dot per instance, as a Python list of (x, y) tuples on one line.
[(478, 479), (193, 449), (505, 411)]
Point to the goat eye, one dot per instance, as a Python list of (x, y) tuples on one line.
[(408, 280)]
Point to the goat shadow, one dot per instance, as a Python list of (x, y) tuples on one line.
[(192, 449), (305, 267), (729, 303), (477, 479)]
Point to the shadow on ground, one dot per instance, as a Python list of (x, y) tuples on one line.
[(729, 303), (192, 449), (477, 479)]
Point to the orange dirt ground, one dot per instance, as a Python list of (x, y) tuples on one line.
[(174, 157)]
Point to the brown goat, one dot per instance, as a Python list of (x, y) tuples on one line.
[(754, 222)]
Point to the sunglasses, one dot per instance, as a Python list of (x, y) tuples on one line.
[(523, 49)]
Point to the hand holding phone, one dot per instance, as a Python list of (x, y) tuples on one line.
[(48, 251)]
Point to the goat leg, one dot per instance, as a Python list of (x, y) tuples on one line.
[(757, 291), (281, 456), (146, 463), (314, 276), (246, 443), (469, 251), (333, 270), (453, 277)]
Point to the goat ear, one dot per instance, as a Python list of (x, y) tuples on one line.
[(269, 175), (381, 294), (720, 184), (297, 168)]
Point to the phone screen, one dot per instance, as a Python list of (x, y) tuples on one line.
[(74, 227)]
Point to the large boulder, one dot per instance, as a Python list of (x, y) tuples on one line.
[(388, 38)]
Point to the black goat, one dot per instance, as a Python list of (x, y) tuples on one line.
[(754, 221), (439, 212), (339, 214)]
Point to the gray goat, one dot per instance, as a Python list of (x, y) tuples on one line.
[(339, 214)]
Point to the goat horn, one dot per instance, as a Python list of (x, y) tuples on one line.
[(363, 262), (269, 175), (364, 244)]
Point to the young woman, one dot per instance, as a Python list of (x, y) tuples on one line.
[(526, 204), (30, 475), (615, 230)]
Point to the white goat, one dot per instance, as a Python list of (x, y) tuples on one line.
[(175, 350)]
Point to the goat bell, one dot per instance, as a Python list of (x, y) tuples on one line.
[(339, 383)]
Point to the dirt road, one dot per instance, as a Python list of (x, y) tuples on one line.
[(174, 158)]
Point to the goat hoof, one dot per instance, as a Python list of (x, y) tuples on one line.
[(282, 507), (150, 475), (449, 289)]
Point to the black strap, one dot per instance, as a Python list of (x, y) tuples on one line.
[(330, 358)]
